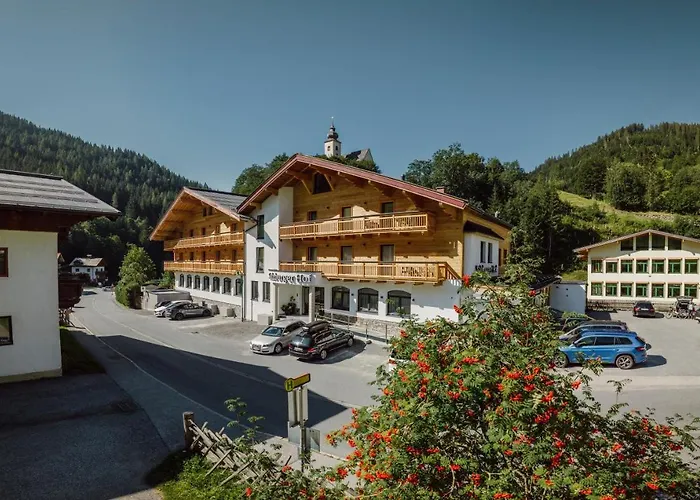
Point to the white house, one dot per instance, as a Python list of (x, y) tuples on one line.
[(650, 264), (94, 267), (35, 212)]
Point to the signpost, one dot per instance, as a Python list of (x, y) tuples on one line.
[(298, 414)]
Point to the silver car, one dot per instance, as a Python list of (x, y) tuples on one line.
[(276, 337)]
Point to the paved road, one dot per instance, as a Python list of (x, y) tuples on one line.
[(208, 361)]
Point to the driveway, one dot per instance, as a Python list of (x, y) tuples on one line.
[(78, 437)]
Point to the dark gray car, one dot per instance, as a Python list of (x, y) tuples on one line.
[(187, 310)]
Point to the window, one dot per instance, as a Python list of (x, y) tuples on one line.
[(346, 254), (260, 260), (260, 228), (321, 184), (623, 341), (254, 290), (266, 291), (596, 266), (5, 330), (642, 242), (179, 256), (674, 290), (3, 263), (482, 257), (658, 242), (627, 245), (189, 281), (215, 285), (340, 298), (596, 289), (182, 280), (197, 282), (204, 255), (690, 291), (657, 291), (641, 290), (204, 231), (674, 243), (626, 266), (611, 267), (490, 253), (312, 254), (320, 298), (234, 255), (399, 303), (657, 266), (643, 266), (611, 289), (368, 300), (604, 341), (625, 289), (388, 207), (227, 285), (674, 266), (217, 255), (311, 215), (191, 233), (191, 255), (205, 283), (386, 253), (238, 291), (691, 266), (204, 211), (346, 212)]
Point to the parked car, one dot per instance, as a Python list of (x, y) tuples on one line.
[(161, 307), (317, 339), (644, 308), (187, 310), (396, 359), (276, 337), (593, 325), (567, 319), (624, 349)]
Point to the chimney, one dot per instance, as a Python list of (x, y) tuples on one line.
[(440, 189)]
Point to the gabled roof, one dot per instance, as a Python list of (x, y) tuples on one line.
[(26, 191), (193, 198), (298, 163), (473, 227), (87, 261), (359, 155), (634, 235)]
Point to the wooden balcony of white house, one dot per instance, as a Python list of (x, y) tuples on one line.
[(214, 240), (420, 272), (394, 223), (205, 266)]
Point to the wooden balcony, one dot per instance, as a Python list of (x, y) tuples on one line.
[(421, 272), (207, 266), (215, 240), (403, 222)]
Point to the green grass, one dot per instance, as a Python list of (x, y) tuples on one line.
[(575, 275), (581, 202), (181, 476), (75, 359)]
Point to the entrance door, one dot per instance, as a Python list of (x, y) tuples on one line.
[(319, 299), (304, 300)]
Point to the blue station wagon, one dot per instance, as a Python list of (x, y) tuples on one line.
[(624, 349)]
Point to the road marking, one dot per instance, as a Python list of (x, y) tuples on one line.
[(216, 365)]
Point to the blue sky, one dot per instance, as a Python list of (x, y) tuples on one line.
[(208, 88)]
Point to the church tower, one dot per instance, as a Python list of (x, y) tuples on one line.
[(331, 147)]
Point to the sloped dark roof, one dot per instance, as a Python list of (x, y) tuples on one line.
[(473, 227), (543, 281), (359, 155), (27, 191), (229, 201), (87, 262)]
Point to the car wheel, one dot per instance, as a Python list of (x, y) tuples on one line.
[(278, 348), (351, 341), (323, 354), (624, 362), (206, 313), (179, 316), (561, 360)]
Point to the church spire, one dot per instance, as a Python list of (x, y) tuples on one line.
[(332, 143)]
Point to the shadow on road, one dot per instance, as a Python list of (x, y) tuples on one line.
[(653, 360), (340, 354), (210, 381)]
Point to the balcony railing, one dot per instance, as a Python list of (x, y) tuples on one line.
[(364, 224), (222, 239), (207, 266), (425, 272)]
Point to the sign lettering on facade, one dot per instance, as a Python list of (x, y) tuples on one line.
[(492, 268), (292, 278)]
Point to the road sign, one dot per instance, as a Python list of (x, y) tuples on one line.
[(292, 383), (298, 406)]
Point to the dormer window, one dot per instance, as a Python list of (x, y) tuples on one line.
[(321, 184), (626, 245)]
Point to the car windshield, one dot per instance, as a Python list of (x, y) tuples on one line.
[(303, 340), (273, 331)]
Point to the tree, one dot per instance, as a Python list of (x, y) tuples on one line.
[(137, 269), (167, 280), (626, 186), (251, 177), (589, 178), (363, 164), (478, 412)]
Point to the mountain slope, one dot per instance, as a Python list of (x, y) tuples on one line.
[(131, 182)]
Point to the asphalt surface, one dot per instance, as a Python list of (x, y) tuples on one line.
[(208, 361)]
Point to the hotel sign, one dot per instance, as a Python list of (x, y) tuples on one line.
[(490, 268), (290, 278)]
